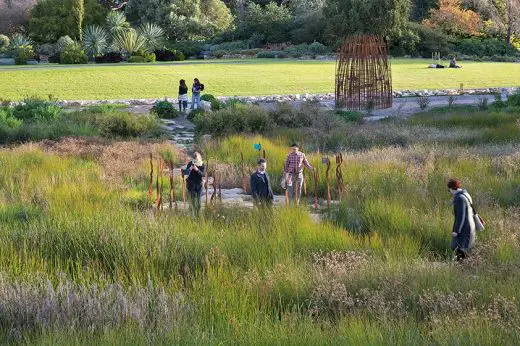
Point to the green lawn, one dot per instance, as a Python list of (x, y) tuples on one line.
[(241, 78)]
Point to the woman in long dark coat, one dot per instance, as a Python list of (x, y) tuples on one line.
[(463, 233), (195, 171)]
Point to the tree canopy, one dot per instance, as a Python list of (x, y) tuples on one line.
[(182, 19), (378, 17)]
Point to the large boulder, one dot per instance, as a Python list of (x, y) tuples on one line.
[(205, 105)]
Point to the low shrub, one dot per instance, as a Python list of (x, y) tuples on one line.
[(73, 54), (32, 109), (317, 48), (23, 54), (194, 113), (215, 103), (350, 116), (514, 100), (286, 115), (166, 54), (220, 53), (137, 59), (266, 54), (54, 59), (251, 52), (230, 46), (188, 48), (423, 102), (491, 48), (109, 58), (233, 102), (7, 120), (126, 125), (149, 57), (165, 110), (4, 41), (238, 119), (63, 43)]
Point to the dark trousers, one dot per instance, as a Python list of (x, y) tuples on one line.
[(183, 105), (195, 194), (460, 254)]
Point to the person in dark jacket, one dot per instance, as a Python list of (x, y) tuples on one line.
[(261, 185), (196, 89), (463, 233), (195, 172), (183, 96)]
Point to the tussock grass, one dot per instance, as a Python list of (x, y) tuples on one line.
[(376, 271)]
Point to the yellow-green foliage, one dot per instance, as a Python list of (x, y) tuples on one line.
[(379, 272)]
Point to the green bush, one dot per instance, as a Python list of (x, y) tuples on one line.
[(22, 54), (215, 103), (73, 54), (286, 115), (4, 41), (238, 119), (493, 48), (165, 110), (8, 120), (137, 59), (514, 100), (188, 48), (33, 109), (220, 53), (194, 113), (317, 48), (126, 125), (149, 57), (267, 54)]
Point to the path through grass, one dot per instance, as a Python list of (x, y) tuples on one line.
[(229, 78)]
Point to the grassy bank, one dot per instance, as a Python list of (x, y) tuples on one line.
[(242, 78), (84, 258)]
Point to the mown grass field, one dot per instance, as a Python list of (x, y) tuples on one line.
[(85, 259), (230, 78)]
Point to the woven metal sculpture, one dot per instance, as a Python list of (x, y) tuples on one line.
[(363, 76)]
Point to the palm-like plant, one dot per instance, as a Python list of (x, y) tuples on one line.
[(20, 40), (130, 41), (116, 22), (95, 40), (153, 35)]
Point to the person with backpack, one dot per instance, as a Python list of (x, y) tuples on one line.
[(261, 185), (195, 172), (196, 89), (464, 228), (183, 96)]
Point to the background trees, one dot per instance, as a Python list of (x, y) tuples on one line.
[(52, 19), (378, 17), (182, 19)]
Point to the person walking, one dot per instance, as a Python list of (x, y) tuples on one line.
[(196, 89), (463, 232), (195, 172), (293, 171), (183, 96), (261, 185)]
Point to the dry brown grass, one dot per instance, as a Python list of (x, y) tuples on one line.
[(125, 160)]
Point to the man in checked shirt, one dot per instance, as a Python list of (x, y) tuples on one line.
[(294, 170)]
